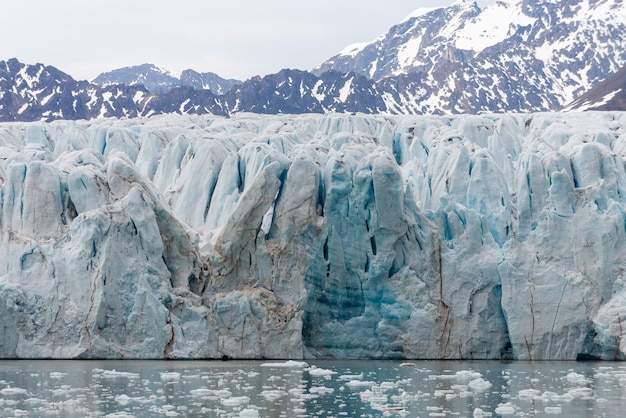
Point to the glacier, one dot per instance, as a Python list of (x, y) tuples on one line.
[(315, 236)]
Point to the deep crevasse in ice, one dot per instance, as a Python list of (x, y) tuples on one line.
[(346, 236)]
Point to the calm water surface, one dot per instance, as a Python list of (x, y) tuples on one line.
[(313, 389)]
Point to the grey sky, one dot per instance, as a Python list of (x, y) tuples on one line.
[(234, 38)]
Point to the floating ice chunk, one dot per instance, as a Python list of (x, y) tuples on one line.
[(123, 399), (351, 377), (61, 391), (272, 395), (113, 374), (398, 410), (479, 384), (582, 393), (35, 401), (306, 397), (373, 397), (297, 391), (567, 397), (388, 385), (322, 390), (529, 394), (442, 377), (576, 379), (249, 413), (505, 409), (290, 363), (467, 375), (13, 391), (57, 375), (360, 383), (556, 410), (236, 401), (201, 392), (170, 377), (223, 393), (405, 397), (315, 371), (547, 396)]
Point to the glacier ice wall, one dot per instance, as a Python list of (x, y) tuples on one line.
[(338, 236)]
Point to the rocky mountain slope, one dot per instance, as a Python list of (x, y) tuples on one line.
[(158, 80), (514, 55), (39, 92), (609, 94)]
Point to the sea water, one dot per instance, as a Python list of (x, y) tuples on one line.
[(311, 389)]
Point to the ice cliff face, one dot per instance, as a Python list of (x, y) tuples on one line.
[(474, 237)]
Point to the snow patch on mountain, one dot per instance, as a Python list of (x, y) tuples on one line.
[(493, 25), (586, 105), (159, 80)]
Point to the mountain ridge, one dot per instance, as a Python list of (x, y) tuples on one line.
[(515, 54), (298, 92), (610, 94), (158, 80)]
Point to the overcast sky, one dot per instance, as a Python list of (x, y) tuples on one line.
[(233, 38)]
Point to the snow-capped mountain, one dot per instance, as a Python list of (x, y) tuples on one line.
[(296, 91), (610, 94), (41, 92), (207, 81), (155, 79), (513, 55), (158, 80)]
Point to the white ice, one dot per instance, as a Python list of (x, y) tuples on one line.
[(314, 236)]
